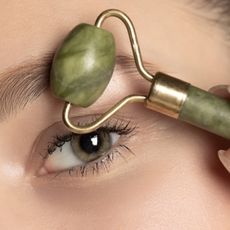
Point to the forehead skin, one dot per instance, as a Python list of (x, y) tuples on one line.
[(172, 35), (178, 40)]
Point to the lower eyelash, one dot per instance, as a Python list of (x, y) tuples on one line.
[(103, 163)]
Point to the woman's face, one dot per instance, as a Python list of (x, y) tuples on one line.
[(160, 173)]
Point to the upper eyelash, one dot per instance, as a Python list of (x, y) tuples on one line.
[(120, 126), (58, 142)]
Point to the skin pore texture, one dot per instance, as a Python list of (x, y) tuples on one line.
[(174, 179)]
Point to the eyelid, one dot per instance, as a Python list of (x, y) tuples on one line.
[(39, 150)]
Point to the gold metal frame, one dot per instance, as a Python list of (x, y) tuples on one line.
[(129, 99), (97, 123), (167, 94)]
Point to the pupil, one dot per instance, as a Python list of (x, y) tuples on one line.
[(90, 142)]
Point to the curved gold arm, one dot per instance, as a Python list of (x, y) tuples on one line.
[(132, 37), (96, 124), (129, 99)]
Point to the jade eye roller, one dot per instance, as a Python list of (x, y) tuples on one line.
[(82, 68)]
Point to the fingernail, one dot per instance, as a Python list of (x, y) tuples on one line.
[(221, 90), (224, 157), (229, 88)]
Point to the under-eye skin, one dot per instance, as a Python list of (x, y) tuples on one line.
[(86, 154)]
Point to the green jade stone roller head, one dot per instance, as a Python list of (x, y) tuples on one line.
[(83, 65), (82, 68)]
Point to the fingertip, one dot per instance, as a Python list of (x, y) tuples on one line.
[(221, 90), (224, 157), (228, 88)]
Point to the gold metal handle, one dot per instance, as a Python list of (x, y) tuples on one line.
[(167, 95)]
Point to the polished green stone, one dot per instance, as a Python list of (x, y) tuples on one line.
[(83, 65), (207, 111)]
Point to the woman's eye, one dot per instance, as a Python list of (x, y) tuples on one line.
[(85, 152), (76, 150)]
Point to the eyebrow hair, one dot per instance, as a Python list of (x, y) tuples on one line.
[(222, 10), (24, 83), (222, 7)]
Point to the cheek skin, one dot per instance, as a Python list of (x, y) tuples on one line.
[(159, 191), (145, 197), (167, 186)]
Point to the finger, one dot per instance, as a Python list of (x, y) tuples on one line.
[(224, 157), (221, 90)]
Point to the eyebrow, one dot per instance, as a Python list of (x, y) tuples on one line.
[(24, 83), (220, 7)]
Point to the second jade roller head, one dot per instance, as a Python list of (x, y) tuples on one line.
[(83, 66)]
